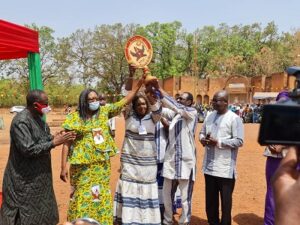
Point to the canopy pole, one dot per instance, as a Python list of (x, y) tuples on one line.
[(35, 75)]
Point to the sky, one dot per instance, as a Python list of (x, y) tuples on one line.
[(66, 16)]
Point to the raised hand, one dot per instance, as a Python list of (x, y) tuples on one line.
[(132, 70), (151, 97)]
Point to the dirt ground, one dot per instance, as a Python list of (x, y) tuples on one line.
[(248, 198)]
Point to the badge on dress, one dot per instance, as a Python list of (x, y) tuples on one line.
[(97, 134), (142, 130), (96, 193)]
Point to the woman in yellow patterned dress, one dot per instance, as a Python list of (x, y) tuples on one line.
[(89, 157)]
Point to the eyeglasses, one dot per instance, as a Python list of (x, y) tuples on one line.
[(218, 100), (180, 99)]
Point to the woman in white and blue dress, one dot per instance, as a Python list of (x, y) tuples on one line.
[(136, 198)]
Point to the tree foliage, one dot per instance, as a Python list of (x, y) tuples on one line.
[(225, 50), (172, 48), (95, 58)]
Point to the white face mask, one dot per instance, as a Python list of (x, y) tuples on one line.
[(93, 106), (46, 110)]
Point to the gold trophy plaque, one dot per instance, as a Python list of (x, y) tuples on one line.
[(138, 51)]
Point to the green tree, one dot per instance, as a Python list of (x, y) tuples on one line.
[(12, 92), (98, 57), (295, 48), (225, 51), (171, 48)]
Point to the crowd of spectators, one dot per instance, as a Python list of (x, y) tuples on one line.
[(249, 113)]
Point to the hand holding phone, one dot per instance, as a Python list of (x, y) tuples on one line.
[(208, 135)]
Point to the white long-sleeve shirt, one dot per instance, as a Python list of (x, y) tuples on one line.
[(161, 141), (228, 130), (180, 156)]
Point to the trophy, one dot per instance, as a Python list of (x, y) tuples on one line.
[(138, 53)]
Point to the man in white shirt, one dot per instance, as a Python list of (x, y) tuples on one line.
[(180, 157), (222, 134)]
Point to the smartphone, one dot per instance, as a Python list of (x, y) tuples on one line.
[(207, 135)]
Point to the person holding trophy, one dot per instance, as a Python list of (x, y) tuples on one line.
[(179, 168), (136, 198)]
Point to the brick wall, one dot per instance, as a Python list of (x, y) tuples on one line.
[(204, 89)]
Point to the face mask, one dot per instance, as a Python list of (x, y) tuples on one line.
[(93, 106), (42, 109), (46, 110)]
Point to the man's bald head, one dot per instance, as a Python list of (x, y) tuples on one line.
[(220, 101), (222, 95)]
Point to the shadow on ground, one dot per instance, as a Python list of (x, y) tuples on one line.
[(248, 219), (194, 219), (198, 221)]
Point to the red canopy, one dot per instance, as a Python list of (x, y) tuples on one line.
[(16, 41)]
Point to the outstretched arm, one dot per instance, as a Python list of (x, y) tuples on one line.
[(118, 106), (188, 113), (155, 107), (134, 91), (29, 147)]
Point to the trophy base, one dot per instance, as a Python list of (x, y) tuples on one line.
[(150, 80)]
